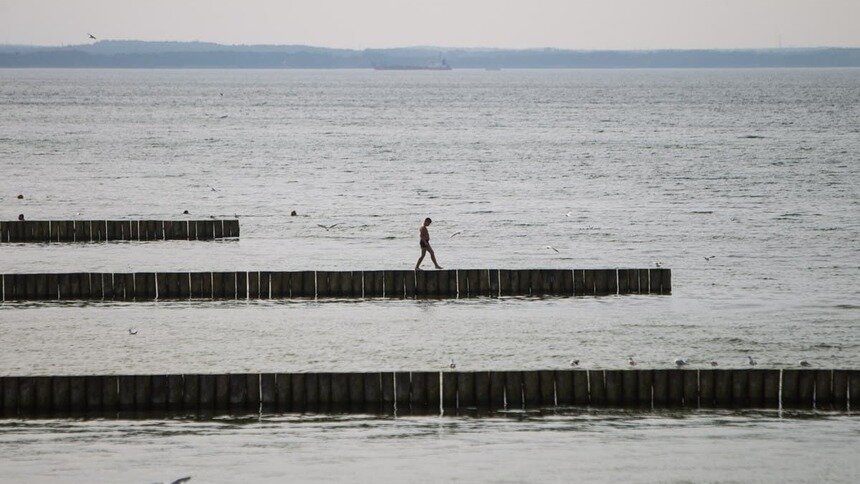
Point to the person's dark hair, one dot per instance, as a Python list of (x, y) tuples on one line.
[(427, 221)]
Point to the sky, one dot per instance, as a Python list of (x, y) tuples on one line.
[(568, 24)]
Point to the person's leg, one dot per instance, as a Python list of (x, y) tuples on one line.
[(423, 253), (433, 258)]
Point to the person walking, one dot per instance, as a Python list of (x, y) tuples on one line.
[(424, 242)]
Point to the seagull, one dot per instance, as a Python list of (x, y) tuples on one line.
[(455, 234), (713, 363), (181, 480), (132, 331), (709, 258), (553, 248), (329, 227), (210, 187), (574, 362), (569, 214), (752, 362), (222, 117), (680, 362), (221, 94), (630, 361), (804, 363), (92, 36), (452, 365), (658, 264)]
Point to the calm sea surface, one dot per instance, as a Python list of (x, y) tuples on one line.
[(758, 168)]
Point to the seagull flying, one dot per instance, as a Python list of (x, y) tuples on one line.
[(680, 362), (752, 362), (804, 363), (630, 361), (92, 36), (132, 331), (553, 248), (329, 227), (455, 234), (574, 362), (709, 258)]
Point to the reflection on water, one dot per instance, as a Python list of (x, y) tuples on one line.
[(540, 445)]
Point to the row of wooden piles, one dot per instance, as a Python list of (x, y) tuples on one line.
[(427, 391), (397, 284), (110, 230)]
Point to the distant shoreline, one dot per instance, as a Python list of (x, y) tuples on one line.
[(430, 72), (199, 55)]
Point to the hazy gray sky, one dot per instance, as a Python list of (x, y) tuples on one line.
[(574, 24)]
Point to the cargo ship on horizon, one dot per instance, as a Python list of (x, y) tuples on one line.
[(440, 66)]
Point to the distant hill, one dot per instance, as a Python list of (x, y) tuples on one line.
[(140, 54)]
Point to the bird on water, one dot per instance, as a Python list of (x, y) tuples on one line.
[(327, 228), (630, 361), (804, 363), (552, 248), (92, 36), (751, 361), (132, 331), (713, 363), (574, 362), (680, 362)]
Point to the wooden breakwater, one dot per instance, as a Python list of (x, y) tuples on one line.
[(381, 391), (400, 284), (108, 230)]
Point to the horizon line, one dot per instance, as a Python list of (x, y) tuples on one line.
[(807, 47)]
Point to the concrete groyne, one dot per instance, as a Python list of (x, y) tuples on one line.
[(397, 284), (834, 389), (108, 230)]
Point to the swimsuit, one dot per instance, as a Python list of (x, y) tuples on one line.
[(424, 244)]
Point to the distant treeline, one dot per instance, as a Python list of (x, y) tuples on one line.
[(138, 54)]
